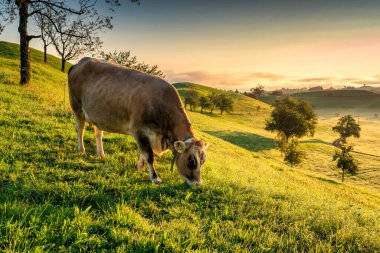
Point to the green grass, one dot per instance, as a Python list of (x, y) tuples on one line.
[(54, 199)]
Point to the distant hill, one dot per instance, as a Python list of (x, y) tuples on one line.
[(333, 103), (242, 104), (335, 93)]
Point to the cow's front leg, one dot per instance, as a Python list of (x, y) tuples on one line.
[(99, 143), (147, 153)]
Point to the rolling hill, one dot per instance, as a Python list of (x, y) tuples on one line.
[(333, 103), (54, 199)]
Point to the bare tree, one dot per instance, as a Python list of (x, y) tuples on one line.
[(76, 35), (44, 26), (258, 91), (10, 9)]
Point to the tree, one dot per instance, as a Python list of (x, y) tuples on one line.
[(345, 161), (24, 9), (124, 58), (213, 98), (76, 35), (258, 91), (290, 148), (224, 103), (191, 99), (292, 117), (276, 93), (347, 127), (44, 27), (204, 103)]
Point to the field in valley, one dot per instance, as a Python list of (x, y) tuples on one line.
[(54, 199), (328, 104)]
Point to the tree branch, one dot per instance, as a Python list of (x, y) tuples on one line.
[(50, 4), (30, 37)]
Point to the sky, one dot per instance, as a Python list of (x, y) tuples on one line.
[(237, 44)]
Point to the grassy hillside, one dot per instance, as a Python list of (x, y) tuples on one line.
[(53, 199), (242, 104), (340, 102)]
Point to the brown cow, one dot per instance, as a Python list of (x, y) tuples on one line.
[(121, 100)]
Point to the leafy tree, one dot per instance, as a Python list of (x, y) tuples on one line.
[(224, 103), (51, 9), (204, 103), (124, 58), (290, 148), (347, 127), (191, 99), (292, 117), (345, 161), (76, 35), (213, 98), (258, 91)]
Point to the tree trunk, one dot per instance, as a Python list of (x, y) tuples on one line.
[(201, 109), (63, 62), (211, 111), (24, 41), (342, 175), (45, 53), (221, 111)]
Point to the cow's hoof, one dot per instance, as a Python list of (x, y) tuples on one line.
[(102, 155), (156, 180)]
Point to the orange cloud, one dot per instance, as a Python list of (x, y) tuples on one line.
[(223, 79)]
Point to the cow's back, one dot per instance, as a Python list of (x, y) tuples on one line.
[(118, 99)]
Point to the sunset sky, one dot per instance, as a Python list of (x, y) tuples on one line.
[(237, 44)]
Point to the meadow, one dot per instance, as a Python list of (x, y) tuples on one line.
[(54, 199)]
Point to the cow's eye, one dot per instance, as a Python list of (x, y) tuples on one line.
[(192, 162)]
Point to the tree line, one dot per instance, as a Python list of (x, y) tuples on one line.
[(213, 101)]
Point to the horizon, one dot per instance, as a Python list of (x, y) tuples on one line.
[(237, 45)]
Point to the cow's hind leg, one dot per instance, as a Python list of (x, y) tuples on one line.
[(147, 153), (99, 143), (141, 162), (80, 122)]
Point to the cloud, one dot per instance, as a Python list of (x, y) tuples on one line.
[(314, 80), (246, 80), (223, 79)]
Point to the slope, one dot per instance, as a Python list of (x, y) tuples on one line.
[(53, 199)]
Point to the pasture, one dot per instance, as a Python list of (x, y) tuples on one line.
[(54, 199)]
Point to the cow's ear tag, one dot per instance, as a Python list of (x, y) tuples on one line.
[(179, 146)]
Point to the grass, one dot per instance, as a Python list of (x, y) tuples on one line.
[(54, 199)]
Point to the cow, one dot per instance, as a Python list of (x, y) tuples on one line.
[(117, 99)]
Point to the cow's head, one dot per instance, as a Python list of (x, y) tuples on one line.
[(191, 156)]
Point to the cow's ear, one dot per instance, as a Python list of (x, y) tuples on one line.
[(179, 146), (205, 145)]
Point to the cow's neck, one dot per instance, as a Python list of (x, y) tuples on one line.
[(183, 132)]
